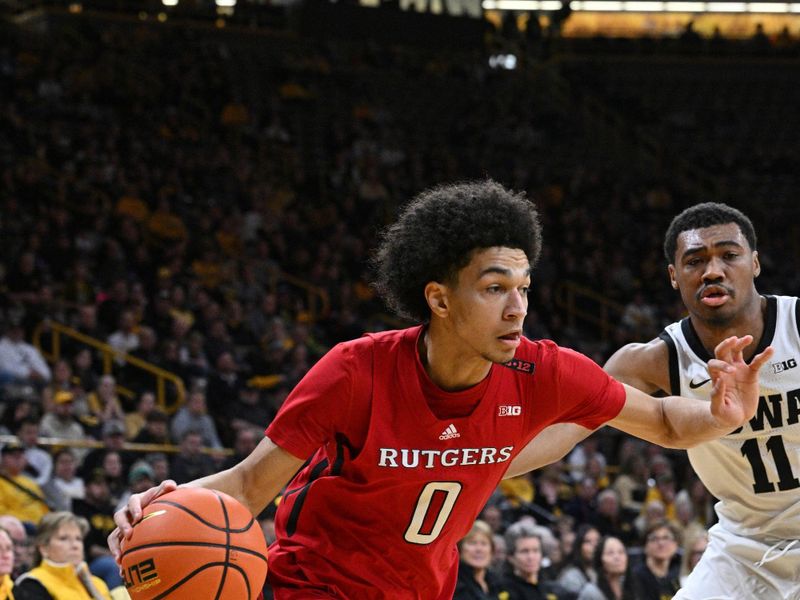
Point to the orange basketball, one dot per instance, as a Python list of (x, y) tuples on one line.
[(195, 543)]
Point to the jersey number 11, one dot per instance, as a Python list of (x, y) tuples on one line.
[(775, 447)]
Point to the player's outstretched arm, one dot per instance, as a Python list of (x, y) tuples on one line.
[(678, 422), (552, 444), (254, 482)]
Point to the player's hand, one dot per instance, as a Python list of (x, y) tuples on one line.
[(127, 517), (734, 396)]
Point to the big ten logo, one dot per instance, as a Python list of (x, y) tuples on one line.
[(509, 411), (142, 572), (785, 365)]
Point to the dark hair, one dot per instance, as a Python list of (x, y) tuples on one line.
[(576, 556), (703, 215), (628, 589), (663, 524), (436, 233)]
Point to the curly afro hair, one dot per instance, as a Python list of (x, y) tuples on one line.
[(437, 232), (706, 215)]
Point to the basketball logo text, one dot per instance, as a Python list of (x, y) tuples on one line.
[(509, 411), (141, 576)]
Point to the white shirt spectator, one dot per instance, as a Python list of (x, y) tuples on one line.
[(21, 361)]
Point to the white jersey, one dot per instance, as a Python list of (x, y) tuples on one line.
[(755, 470)]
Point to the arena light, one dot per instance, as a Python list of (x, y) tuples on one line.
[(521, 5), (726, 7), (768, 7), (225, 3), (644, 6), (685, 6), (677, 6), (169, 2), (599, 5)]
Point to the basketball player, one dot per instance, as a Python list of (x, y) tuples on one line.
[(409, 432), (754, 471)]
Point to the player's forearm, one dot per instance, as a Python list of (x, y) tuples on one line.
[(550, 445), (689, 422), (258, 479)]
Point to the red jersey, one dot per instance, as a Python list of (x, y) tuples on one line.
[(391, 488)]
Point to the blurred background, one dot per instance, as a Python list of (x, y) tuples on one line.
[(191, 190)]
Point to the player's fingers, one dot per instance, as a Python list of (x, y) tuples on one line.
[(723, 350), (114, 543), (761, 358), (148, 496), (739, 345), (716, 367)]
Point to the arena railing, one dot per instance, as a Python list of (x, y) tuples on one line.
[(131, 446), (586, 305), (109, 355)]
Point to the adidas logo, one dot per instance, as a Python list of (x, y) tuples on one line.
[(450, 433)]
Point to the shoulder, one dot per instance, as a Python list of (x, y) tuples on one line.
[(27, 587)]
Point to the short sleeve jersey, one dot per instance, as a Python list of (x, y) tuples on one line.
[(390, 488)]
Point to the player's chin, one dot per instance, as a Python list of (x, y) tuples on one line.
[(500, 356)]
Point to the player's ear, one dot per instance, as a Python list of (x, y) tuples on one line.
[(756, 264), (673, 282), (436, 295)]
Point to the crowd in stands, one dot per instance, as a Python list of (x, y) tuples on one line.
[(157, 188)]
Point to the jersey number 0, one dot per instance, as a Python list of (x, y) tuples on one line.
[(434, 505)]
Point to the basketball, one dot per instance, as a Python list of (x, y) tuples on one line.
[(195, 543)]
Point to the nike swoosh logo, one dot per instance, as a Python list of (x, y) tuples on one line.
[(694, 385)]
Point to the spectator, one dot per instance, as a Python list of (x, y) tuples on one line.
[(64, 485), (135, 420), (583, 505), (155, 430), (580, 455), (20, 496), (140, 478), (61, 572), (133, 376), (249, 410), (653, 512), (23, 550), (113, 441), (194, 416), (103, 403), (552, 490), (580, 569), (61, 423), (664, 490), (125, 339), (613, 576), (20, 362), (6, 565), (525, 553), (611, 521), (631, 483), (115, 470), (658, 576), (160, 464), (84, 375), (191, 463), (247, 438), (39, 462), (475, 580), (692, 552), (97, 507)]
